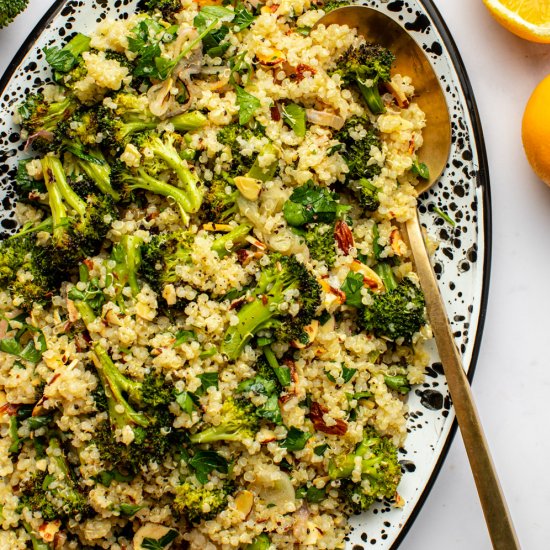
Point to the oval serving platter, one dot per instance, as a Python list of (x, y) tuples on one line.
[(462, 261)]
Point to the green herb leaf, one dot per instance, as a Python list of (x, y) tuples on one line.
[(304, 31), (187, 401), (208, 353), (258, 385), (261, 542), (22, 345), (352, 286), (314, 495), (295, 116), (208, 379), (295, 439), (321, 449), (270, 410), (183, 336), (421, 170), (399, 383), (205, 462), (310, 203), (348, 374), (243, 17), (359, 395), (129, 510), (247, 103), (159, 544)]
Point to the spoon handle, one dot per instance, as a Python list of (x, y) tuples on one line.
[(497, 515)]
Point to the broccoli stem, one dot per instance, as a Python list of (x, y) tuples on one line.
[(148, 183), (78, 44), (86, 312), (187, 122), (100, 173), (59, 211), (385, 272), (264, 174), (371, 94), (114, 383), (252, 317), (282, 373), (58, 178), (44, 225), (236, 237), (132, 252), (56, 112)]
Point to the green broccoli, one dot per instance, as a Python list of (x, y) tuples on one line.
[(380, 471), (321, 242), (152, 425), (220, 200), (366, 66), (236, 238), (40, 119), (196, 503), (261, 542), (9, 10), (54, 492), (79, 226), (368, 195), (162, 256), (399, 383), (239, 421), (397, 313), (357, 137), (264, 311), (331, 5)]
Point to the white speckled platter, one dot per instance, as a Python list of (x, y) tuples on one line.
[(462, 261)]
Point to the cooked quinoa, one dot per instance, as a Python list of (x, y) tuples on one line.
[(278, 492)]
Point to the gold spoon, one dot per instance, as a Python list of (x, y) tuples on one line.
[(381, 29)]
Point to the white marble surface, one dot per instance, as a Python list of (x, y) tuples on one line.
[(512, 382)]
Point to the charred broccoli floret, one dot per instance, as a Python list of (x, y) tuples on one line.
[(197, 503), (397, 313), (358, 137), (162, 256), (366, 67), (380, 471), (54, 492), (283, 280), (79, 226), (220, 200), (151, 423), (10, 9), (40, 119), (321, 243), (239, 421), (334, 4)]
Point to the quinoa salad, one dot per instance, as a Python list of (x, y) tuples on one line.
[(209, 317)]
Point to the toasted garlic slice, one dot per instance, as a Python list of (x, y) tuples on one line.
[(249, 187), (244, 502)]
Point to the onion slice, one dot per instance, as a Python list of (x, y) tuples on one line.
[(323, 118)]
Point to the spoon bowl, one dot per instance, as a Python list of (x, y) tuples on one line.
[(410, 61)]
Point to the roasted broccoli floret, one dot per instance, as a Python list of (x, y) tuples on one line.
[(79, 226), (151, 424), (239, 421), (54, 492), (235, 136), (283, 280), (162, 256), (9, 9), (380, 471), (368, 195), (321, 243), (40, 119), (129, 118), (220, 200), (358, 136), (196, 503), (366, 66), (397, 313)]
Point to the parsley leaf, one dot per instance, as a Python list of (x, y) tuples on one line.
[(352, 286), (295, 116), (295, 439), (248, 104), (205, 462), (243, 17), (149, 543), (208, 379), (270, 410)]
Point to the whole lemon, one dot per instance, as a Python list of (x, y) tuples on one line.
[(536, 130)]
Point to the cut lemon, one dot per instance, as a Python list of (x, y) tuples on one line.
[(529, 19), (536, 130)]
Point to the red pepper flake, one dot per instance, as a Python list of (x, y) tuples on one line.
[(9, 408), (343, 236), (316, 413)]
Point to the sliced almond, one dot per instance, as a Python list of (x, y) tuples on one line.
[(223, 227), (331, 291), (244, 502), (397, 243), (256, 242), (370, 277), (249, 187), (153, 531)]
